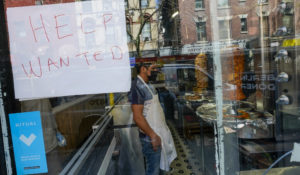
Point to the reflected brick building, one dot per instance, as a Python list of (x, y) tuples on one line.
[(239, 21)]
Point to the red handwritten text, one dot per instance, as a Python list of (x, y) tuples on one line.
[(114, 50), (31, 69), (106, 20), (85, 56), (51, 62), (38, 28), (54, 65), (60, 26), (82, 28), (63, 62), (63, 30), (95, 56)]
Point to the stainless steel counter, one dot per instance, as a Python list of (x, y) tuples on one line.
[(257, 125)]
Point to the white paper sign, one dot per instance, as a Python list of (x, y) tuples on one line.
[(69, 49)]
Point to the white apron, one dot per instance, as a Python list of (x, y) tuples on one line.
[(155, 117)]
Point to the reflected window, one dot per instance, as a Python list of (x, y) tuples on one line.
[(144, 3), (223, 3), (201, 31), (199, 4), (288, 22), (128, 30), (225, 29), (146, 32), (126, 4), (244, 27)]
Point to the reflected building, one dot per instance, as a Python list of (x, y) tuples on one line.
[(170, 38), (241, 23), (142, 27), (237, 20)]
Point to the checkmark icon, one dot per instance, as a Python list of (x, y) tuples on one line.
[(27, 140)]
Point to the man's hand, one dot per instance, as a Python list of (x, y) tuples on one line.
[(155, 141)]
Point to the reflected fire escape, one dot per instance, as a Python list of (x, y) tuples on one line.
[(169, 30)]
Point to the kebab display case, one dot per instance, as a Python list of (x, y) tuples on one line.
[(260, 100), (242, 122), (239, 111), (250, 113), (260, 107)]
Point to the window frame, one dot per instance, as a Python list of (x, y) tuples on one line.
[(229, 31), (143, 6), (223, 6), (143, 33), (126, 4), (245, 25), (128, 29), (198, 27), (202, 2)]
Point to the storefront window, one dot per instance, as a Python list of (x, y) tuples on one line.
[(77, 79)]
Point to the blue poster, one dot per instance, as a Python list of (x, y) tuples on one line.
[(28, 142)]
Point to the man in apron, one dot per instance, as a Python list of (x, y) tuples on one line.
[(157, 143)]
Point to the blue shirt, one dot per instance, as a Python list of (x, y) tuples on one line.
[(139, 93)]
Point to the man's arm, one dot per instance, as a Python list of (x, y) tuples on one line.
[(144, 126)]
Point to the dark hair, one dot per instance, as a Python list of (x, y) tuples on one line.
[(138, 66)]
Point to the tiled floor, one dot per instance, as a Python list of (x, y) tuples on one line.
[(186, 162)]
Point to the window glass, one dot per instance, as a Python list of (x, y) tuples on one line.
[(146, 33), (244, 27), (199, 4), (201, 31), (144, 3), (223, 3), (225, 29), (128, 30)]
